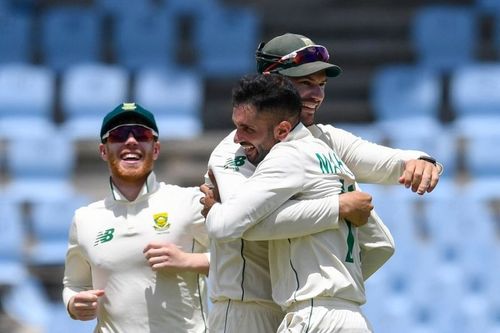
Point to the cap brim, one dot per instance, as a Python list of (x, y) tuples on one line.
[(331, 70)]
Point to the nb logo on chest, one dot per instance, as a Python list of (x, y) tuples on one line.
[(104, 236)]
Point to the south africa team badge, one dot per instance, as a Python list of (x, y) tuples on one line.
[(161, 221)]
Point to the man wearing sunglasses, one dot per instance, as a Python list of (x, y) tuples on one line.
[(239, 261), (136, 259)]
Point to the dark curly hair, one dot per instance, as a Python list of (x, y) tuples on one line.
[(271, 93)]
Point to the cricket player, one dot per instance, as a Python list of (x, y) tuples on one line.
[(240, 261), (137, 259), (291, 164), (334, 273)]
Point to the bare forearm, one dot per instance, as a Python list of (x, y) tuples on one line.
[(198, 263)]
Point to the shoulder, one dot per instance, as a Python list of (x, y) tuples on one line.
[(227, 148), (179, 193), (333, 131), (227, 145), (90, 211)]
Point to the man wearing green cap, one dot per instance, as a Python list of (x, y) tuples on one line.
[(136, 259), (238, 262)]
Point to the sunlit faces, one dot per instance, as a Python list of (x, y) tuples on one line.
[(130, 160), (254, 132), (312, 92)]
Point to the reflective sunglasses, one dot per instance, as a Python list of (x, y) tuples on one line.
[(121, 133), (301, 56)]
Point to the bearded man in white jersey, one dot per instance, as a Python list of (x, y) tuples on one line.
[(137, 259), (292, 164), (316, 279)]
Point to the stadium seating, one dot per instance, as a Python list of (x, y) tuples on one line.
[(488, 6), (115, 8), (27, 95), (226, 39), (146, 37), (61, 27), (476, 103), (496, 33), (193, 8), (175, 97), (402, 92), (88, 92), (16, 33), (445, 36), (50, 222), (29, 303), (406, 99), (482, 153), (474, 90), (12, 242), (39, 168)]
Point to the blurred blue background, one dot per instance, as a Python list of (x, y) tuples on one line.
[(416, 75)]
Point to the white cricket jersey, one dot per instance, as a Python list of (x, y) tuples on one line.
[(321, 264), (240, 268), (105, 251), (233, 264)]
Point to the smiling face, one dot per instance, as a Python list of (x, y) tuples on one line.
[(255, 131), (312, 92), (130, 161)]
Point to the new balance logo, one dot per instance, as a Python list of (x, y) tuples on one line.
[(235, 163), (104, 236)]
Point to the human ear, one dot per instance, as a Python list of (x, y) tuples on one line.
[(102, 152), (156, 150), (281, 130)]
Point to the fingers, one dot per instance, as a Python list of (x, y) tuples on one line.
[(212, 177), (205, 210), (205, 189), (215, 189), (355, 207), (153, 245), (159, 249), (421, 176), (84, 304)]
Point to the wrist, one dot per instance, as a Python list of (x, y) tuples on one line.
[(432, 160)]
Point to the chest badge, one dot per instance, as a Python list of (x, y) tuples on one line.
[(161, 221)]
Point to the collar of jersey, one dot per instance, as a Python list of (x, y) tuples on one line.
[(149, 186), (299, 132)]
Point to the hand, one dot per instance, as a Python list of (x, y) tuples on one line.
[(211, 194), (83, 306), (166, 257), (355, 207), (422, 176)]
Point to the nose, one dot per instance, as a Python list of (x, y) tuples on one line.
[(131, 138), (237, 137), (318, 93)]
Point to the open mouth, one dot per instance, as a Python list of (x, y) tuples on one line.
[(131, 157), (248, 149), (309, 106)]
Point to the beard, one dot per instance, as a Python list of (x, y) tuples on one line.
[(131, 173)]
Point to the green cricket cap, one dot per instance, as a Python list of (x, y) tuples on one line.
[(285, 44), (128, 113)]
